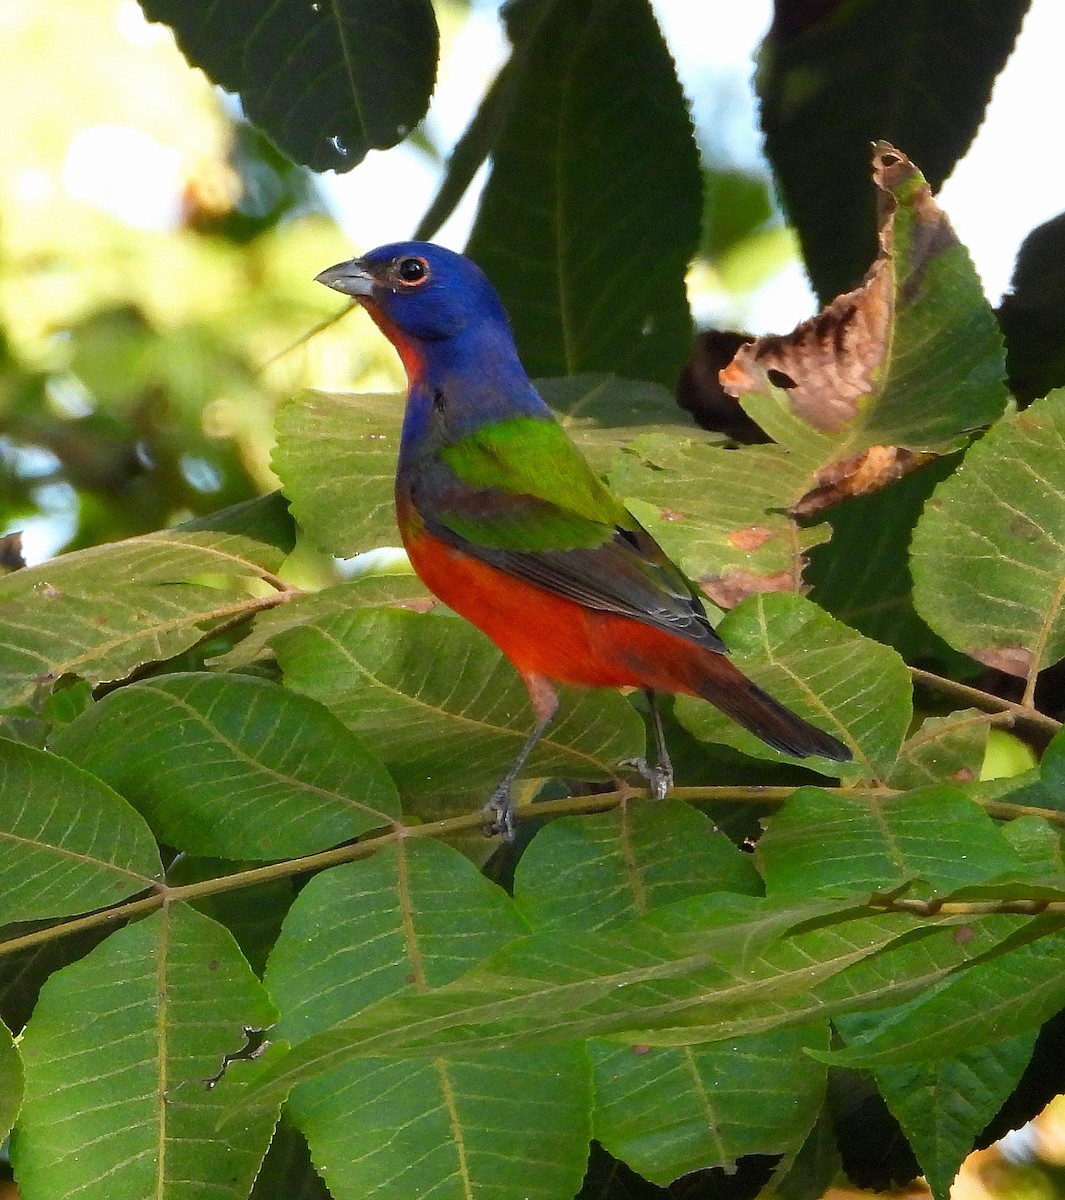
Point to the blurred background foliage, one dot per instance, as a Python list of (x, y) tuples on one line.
[(157, 264)]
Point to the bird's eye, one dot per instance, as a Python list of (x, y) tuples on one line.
[(412, 271)]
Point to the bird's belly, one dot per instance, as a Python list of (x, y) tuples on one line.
[(539, 632)]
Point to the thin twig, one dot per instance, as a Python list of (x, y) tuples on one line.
[(1022, 714), (164, 894)]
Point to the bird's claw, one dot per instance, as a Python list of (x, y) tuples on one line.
[(659, 776), (499, 815)]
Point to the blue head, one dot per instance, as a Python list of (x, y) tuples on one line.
[(421, 292), (447, 323)]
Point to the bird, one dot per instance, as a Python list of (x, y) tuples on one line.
[(504, 521)]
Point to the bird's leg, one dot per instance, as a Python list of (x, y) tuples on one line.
[(499, 811), (659, 776)]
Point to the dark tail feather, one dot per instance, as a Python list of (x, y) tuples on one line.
[(727, 688)]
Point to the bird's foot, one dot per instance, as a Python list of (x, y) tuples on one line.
[(659, 776), (499, 815)]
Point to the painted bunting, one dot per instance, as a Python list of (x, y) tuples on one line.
[(504, 520)]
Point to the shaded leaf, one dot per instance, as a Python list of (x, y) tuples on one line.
[(287, 1170), (414, 917), (699, 971), (862, 574), (1003, 507), (326, 82), (984, 1005), (594, 871), (442, 707), (232, 766), (336, 457), (943, 750), (821, 844), (668, 1111), (943, 1106), (68, 843), (602, 413), (592, 208), (99, 613), (832, 78), (119, 1050), (850, 686), (1032, 313)]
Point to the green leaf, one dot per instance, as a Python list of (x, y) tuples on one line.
[(591, 212), (99, 613), (943, 1106), (1047, 790), (989, 552), (602, 413), (414, 917), (68, 844), (721, 514), (592, 872), (668, 1111), (830, 80), (336, 457), (366, 591), (11, 1081), (700, 971), (442, 707), (844, 683), (232, 766), (988, 1003), (823, 844), (943, 750), (119, 1051), (862, 574), (326, 83)]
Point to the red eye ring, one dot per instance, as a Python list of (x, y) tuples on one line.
[(411, 272)]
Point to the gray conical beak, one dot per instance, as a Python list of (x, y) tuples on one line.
[(349, 277)]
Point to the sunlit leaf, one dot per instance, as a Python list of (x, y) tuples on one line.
[(593, 871), (668, 1111), (68, 843), (411, 918), (700, 971), (441, 707), (986, 1004), (943, 749), (989, 552), (121, 1046), (99, 613), (233, 766), (336, 456), (943, 1106), (821, 844)]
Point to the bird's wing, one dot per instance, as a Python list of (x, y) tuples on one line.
[(519, 496)]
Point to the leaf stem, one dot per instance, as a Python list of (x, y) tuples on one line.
[(1021, 714), (163, 894)]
